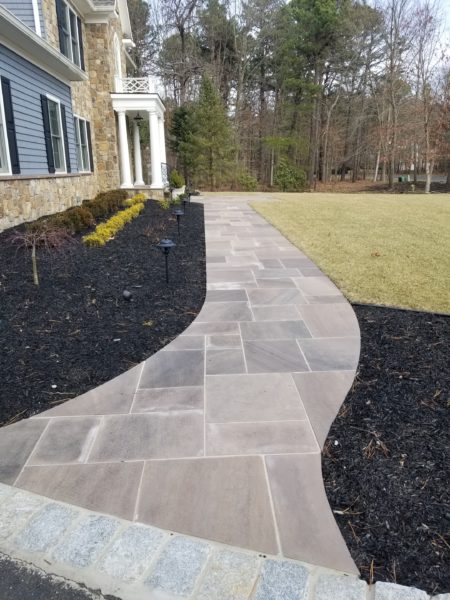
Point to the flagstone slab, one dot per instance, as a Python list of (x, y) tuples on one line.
[(66, 440), (274, 330), (183, 368), (115, 396), (274, 356), (311, 533), (251, 398), (143, 436), (331, 354), (110, 488), (277, 437), (16, 444), (223, 499), (321, 394), (168, 399)]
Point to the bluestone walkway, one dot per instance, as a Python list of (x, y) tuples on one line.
[(217, 436)]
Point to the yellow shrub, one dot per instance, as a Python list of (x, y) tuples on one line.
[(137, 199), (105, 231)]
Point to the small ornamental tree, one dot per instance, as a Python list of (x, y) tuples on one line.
[(43, 236), (212, 139)]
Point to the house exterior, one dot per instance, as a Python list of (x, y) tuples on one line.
[(70, 109)]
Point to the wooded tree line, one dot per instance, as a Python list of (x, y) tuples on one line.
[(289, 93)]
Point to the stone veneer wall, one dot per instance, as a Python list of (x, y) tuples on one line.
[(50, 22), (26, 199), (100, 66)]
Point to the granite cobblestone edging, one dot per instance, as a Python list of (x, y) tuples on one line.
[(134, 561)]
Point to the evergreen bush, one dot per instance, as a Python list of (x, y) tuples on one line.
[(289, 178), (176, 180), (246, 182)]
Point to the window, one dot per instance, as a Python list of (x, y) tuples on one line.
[(69, 26), (64, 31), (56, 132), (4, 154), (82, 142)]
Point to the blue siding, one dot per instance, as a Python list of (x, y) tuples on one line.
[(28, 82), (22, 9)]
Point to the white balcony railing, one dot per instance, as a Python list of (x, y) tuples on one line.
[(137, 85)]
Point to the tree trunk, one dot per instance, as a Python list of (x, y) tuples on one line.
[(315, 126), (377, 166), (34, 263)]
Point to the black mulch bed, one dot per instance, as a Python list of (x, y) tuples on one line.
[(75, 331), (386, 461)]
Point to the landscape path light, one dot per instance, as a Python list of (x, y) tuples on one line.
[(165, 246), (178, 213)]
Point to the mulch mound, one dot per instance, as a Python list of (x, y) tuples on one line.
[(76, 330), (386, 461)]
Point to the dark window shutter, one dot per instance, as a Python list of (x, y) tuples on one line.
[(80, 39), (47, 135), (10, 126), (66, 138), (59, 11), (91, 158)]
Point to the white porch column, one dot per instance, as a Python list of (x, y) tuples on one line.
[(124, 153), (162, 139), (138, 179), (155, 149)]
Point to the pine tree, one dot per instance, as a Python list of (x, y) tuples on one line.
[(181, 140), (212, 139)]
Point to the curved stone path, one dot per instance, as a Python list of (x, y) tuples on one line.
[(218, 435)]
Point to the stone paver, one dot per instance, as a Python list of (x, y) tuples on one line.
[(219, 434), (179, 567), (282, 580), (89, 537), (337, 587), (230, 576), (131, 553), (391, 591), (45, 528), (15, 513)]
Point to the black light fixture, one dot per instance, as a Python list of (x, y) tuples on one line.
[(165, 246), (138, 119), (178, 213), (185, 199)]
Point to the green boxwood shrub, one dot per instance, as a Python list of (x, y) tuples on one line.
[(176, 180), (106, 203), (74, 219)]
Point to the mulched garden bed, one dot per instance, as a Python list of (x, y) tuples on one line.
[(76, 331), (386, 461)]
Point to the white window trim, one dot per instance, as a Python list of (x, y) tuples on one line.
[(77, 126), (63, 145), (68, 9), (37, 18), (8, 171)]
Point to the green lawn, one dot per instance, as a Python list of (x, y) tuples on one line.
[(378, 248)]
